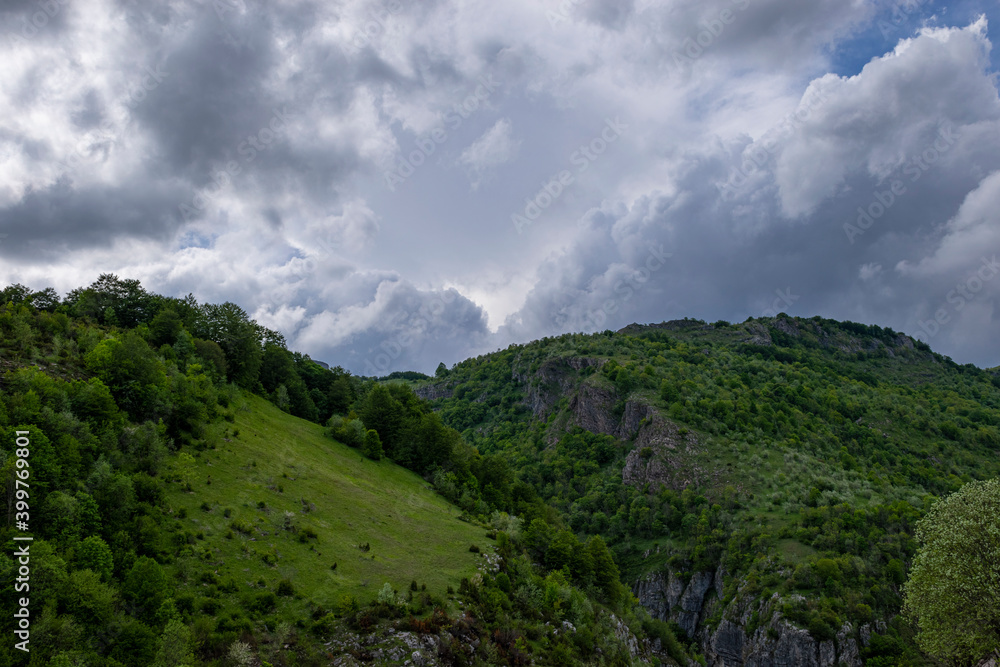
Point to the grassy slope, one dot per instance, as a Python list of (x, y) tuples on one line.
[(414, 534)]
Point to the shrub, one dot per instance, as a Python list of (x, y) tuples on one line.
[(262, 602), (285, 588)]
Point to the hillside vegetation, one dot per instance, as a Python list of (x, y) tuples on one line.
[(682, 493), (188, 507), (773, 471)]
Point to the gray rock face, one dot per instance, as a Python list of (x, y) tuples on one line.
[(591, 408), (848, 645), (827, 654), (435, 391), (624, 635), (727, 644), (652, 594), (773, 643), (667, 598), (693, 600), (786, 326), (550, 381), (759, 335)]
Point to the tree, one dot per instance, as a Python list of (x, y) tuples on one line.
[(441, 371), (111, 300), (373, 445), (382, 412), (240, 338), (340, 395), (175, 643), (954, 587), (146, 585), (132, 372), (94, 554), (165, 327), (606, 574)]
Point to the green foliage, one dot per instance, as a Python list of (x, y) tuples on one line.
[(373, 445), (174, 648), (800, 466), (954, 587), (94, 554)]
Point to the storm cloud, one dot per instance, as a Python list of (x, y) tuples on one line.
[(394, 184)]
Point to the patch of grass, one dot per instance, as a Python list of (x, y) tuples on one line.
[(413, 533)]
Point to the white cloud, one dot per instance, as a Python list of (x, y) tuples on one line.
[(495, 147), (308, 238)]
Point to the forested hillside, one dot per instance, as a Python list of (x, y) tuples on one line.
[(174, 497), (759, 484), (681, 493)]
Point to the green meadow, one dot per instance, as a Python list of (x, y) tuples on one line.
[(277, 499)]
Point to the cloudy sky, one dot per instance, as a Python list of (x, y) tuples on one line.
[(395, 183)]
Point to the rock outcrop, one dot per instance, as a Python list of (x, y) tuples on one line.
[(433, 392), (738, 641), (553, 379)]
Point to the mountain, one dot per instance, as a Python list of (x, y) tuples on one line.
[(758, 483), (682, 493), (182, 489)]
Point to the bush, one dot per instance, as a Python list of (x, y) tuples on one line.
[(262, 602), (285, 588)]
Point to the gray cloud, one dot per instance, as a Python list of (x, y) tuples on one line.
[(238, 150)]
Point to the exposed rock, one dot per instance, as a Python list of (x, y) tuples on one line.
[(727, 644), (626, 636), (787, 326), (431, 392), (675, 590), (866, 634), (759, 335), (990, 661), (652, 594), (591, 408), (774, 641), (667, 598), (720, 574), (847, 647), (902, 340), (554, 378), (657, 457), (827, 654), (693, 600)]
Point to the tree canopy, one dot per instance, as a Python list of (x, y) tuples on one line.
[(954, 586)]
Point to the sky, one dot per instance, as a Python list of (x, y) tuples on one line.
[(393, 184)]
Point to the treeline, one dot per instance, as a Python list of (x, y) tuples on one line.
[(154, 331), (112, 380)]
